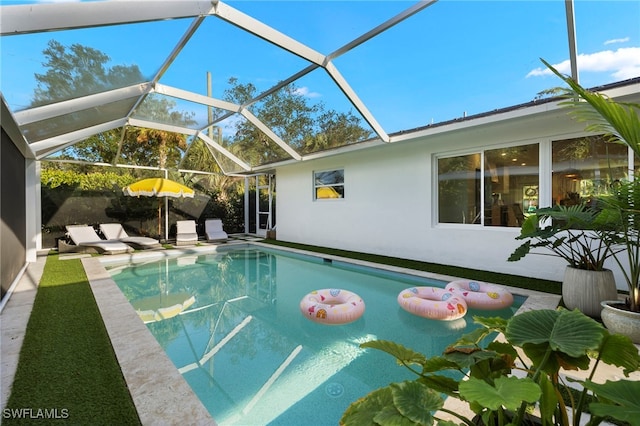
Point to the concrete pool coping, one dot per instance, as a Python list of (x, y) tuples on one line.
[(160, 393)]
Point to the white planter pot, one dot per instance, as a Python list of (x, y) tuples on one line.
[(584, 290), (621, 321)]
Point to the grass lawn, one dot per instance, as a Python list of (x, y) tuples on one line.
[(67, 362)]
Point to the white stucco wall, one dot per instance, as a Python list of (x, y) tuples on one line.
[(389, 204)]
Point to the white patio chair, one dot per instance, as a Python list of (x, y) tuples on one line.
[(86, 239), (115, 232), (186, 233), (214, 231)]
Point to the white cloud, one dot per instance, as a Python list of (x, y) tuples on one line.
[(304, 91), (616, 40), (622, 64)]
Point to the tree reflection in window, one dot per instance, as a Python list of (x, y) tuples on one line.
[(585, 167)]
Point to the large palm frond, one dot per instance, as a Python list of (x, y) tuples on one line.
[(619, 121)]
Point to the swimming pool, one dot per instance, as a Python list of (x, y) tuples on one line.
[(249, 354)]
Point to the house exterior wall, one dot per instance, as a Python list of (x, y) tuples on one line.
[(390, 205), (12, 212)]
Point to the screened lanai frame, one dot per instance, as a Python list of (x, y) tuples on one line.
[(19, 19), (117, 109)]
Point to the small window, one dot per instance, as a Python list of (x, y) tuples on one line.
[(328, 184)]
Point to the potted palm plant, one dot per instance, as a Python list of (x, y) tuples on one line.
[(580, 235), (620, 123), (623, 205)]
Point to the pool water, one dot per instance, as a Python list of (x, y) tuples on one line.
[(243, 345)]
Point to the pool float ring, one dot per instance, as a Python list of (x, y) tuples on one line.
[(432, 302), (481, 295), (332, 306)]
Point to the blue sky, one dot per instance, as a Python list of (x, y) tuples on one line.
[(451, 59)]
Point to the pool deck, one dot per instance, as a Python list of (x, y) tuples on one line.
[(160, 393)]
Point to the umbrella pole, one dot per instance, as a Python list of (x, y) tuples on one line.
[(166, 218), (159, 218)]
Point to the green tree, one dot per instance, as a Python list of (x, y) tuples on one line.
[(153, 147), (304, 126), (91, 181), (102, 147), (335, 129), (76, 71)]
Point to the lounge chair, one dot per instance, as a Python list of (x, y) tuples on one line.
[(214, 231), (186, 233), (115, 232), (88, 241)]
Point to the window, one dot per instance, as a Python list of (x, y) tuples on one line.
[(459, 189), (511, 181), (585, 167), (328, 184), (504, 180)]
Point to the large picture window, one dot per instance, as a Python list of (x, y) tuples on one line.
[(511, 181), (505, 181), (328, 184), (585, 167), (459, 189)]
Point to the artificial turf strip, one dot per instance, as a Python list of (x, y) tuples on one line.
[(547, 286), (67, 367)]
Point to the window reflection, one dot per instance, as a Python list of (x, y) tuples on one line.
[(585, 167), (508, 181), (508, 177), (328, 184), (459, 189), (511, 184)]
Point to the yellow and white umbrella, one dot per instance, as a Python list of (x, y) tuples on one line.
[(159, 187)]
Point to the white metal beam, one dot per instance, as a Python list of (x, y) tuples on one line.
[(355, 100), (57, 109), (51, 145), (283, 83), (382, 27), (31, 18), (200, 172), (266, 93), (161, 126), (224, 151), (195, 97), (91, 163), (191, 132), (10, 125), (234, 108), (571, 34), (265, 32), (47, 17), (213, 155), (178, 47), (120, 142), (169, 60), (267, 131)]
